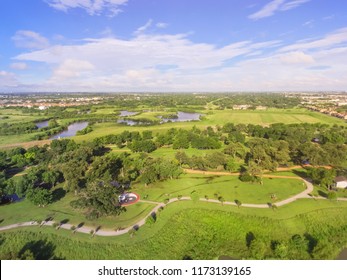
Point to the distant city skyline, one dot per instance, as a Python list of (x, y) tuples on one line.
[(172, 46)]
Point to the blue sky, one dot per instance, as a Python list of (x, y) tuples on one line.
[(165, 45)]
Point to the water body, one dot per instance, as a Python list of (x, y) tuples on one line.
[(71, 130), (127, 113), (342, 255), (131, 122), (184, 117), (42, 124)]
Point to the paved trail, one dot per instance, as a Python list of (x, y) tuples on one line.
[(105, 232)]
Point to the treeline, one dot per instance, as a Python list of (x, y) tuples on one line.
[(268, 100), (88, 170)]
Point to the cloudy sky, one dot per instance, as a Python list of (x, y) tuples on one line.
[(166, 45)]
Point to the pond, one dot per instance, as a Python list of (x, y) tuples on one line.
[(42, 124), (126, 113), (184, 117), (71, 130), (132, 122), (342, 255)]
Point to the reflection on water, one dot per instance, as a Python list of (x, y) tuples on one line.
[(42, 124), (184, 117), (127, 113), (71, 130)]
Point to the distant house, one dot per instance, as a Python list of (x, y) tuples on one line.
[(341, 182)]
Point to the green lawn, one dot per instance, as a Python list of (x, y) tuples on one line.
[(229, 187)]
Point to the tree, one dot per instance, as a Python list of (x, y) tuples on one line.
[(257, 249), (322, 176), (238, 203), (50, 177), (332, 195), (182, 158), (99, 199), (52, 123), (39, 196)]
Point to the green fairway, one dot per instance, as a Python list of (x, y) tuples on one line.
[(228, 187)]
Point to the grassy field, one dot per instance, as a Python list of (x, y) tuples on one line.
[(61, 210), (195, 230), (228, 187)]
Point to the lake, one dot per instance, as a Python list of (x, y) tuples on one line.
[(127, 113), (131, 122), (184, 117), (71, 130), (42, 124)]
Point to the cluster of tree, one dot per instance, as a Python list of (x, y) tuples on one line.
[(268, 100), (17, 128), (159, 169), (84, 131), (86, 170), (216, 160)]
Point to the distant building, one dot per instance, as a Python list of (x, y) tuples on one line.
[(241, 107), (341, 182), (42, 107)]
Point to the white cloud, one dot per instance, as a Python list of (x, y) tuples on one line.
[(175, 63), (296, 58), (19, 66), (30, 39), (309, 23), (276, 5), (144, 27), (8, 79), (332, 39), (71, 68), (161, 25), (92, 7)]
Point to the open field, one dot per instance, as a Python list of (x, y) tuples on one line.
[(228, 187)]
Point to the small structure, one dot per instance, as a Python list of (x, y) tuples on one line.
[(341, 182), (128, 198)]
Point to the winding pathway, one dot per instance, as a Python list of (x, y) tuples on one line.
[(105, 232)]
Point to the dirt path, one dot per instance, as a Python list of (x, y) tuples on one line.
[(193, 171)]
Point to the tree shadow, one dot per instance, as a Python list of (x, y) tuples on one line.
[(65, 221), (312, 242), (38, 250), (249, 238), (323, 194), (58, 194), (13, 171), (154, 216), (80, 225), (300, 173), (97, 229)]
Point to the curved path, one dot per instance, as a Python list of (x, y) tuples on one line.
[(105, 232)]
